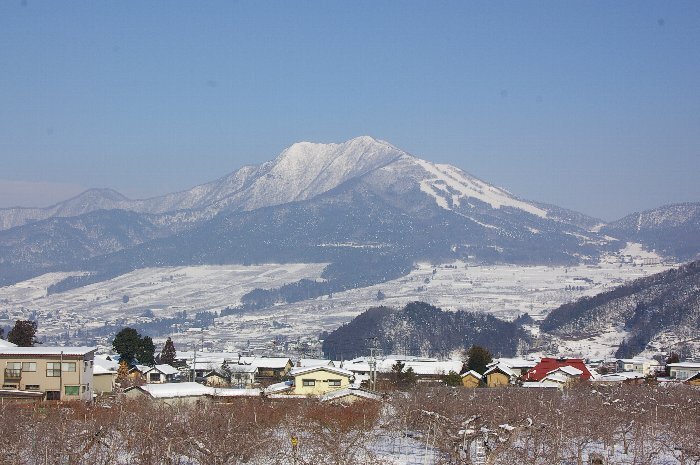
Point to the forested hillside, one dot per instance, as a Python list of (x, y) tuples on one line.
[(646, 307), (422, 329)]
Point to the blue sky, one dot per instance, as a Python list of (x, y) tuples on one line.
[(593, 106)]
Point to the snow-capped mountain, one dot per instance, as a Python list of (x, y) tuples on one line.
[(300, 172), (314, 202)]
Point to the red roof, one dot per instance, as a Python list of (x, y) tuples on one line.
[(546, 365)]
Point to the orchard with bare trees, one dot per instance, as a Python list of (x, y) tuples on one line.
[(585, 424)]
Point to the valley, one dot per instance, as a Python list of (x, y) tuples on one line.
[(505, 291)]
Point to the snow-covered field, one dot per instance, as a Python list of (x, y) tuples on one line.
[(506, 291), (163, 291)]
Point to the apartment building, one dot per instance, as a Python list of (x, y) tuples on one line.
[(60, 373)]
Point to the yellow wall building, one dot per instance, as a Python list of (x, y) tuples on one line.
[(319, 380), (60, 373), (471, 379), (499, 375)]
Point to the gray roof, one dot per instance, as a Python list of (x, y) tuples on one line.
[(46, 351)]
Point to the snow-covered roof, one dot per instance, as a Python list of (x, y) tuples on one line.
[(350, 391), (102, 366), (556, 377), (242, 368), (102, 363), (433, 367), (140, 368), (516, 362), (684, 365), (569, 370), (314, 362), (500, 367), (419, 365), (205, 365), (165, 369), (618, 377), (47, 351), (271, 362), (231, 392), (303, 370), (279, 387), (541, 384), (473, 373), (170, 390), (4, 343)]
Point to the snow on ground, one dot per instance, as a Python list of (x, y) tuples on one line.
[(505, 291), (163, 291)]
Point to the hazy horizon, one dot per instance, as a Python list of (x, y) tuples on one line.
[(592, 107)]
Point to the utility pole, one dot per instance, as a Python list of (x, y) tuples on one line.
[(373, 364)]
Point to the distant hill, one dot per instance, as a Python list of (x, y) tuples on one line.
[(671, 230), (422, 329), (665, 306)]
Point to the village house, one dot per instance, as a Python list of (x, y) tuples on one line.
[(159, 374), (58, 373), (427, 370), (217, 378), (563, 376), (104, 375), (319, 380), (242, 376), (271, 368), (471, 379), (694, 380), (683, 370), (518, 366), (547, 365), (647, 367), (499, 375), (170, 393)]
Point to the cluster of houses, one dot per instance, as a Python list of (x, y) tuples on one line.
[(77, 373)]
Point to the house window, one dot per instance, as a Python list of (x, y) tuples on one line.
[(53, 370), (68, 367), (72, 390), (29, 366), (32, 387), (308, 382), (154, 377), (85, 365), (9, 386), (13, 370), (334, 382), (53, 395)]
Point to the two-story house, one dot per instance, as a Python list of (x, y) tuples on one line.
[(60, 373)]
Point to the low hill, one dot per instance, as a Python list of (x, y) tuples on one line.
[(422, 329)]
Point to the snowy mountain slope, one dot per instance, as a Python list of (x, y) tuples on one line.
[(672, 230), (300, 172), (64, 243), (363, 192), (644, 308)]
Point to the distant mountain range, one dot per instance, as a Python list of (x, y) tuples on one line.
[(662, 310), (673, 230), (337, 203)]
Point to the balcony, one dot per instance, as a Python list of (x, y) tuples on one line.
[(13, 373)]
